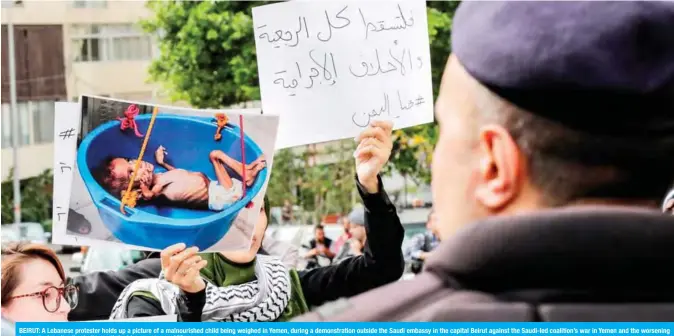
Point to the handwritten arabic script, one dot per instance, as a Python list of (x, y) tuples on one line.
[(333, 66)]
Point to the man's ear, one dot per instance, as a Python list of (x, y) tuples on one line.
[(669, 206), (500, 168)]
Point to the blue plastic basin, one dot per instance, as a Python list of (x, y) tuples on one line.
[(188, 141)]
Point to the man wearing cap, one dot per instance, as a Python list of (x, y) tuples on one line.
[(556, 149), (354, 246)]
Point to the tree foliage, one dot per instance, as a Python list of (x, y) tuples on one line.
[(413, 150), (207, 51), (36, 199), (207, 58)]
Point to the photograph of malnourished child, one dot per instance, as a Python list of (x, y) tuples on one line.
[(152, 176), (174, 186)]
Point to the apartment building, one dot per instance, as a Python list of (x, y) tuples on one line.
[(64, 49)]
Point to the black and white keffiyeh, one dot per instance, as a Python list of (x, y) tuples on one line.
[(260, 300)]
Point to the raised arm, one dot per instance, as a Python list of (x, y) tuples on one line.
[(159, 156), (381, 262)]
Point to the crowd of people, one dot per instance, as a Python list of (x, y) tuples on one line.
[(549, 178)]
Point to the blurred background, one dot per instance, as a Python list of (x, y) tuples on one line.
[(199, 54)]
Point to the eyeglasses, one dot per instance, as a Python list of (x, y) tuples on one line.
[(51, 297)]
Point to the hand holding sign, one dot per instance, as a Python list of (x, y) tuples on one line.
[(373, 151), (182, 267)]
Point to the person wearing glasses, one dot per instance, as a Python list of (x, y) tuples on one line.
[(34, 285)]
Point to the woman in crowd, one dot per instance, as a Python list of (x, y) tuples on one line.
[(35, 288), (47, 297)]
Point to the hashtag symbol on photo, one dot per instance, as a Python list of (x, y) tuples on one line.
[(67, 133)]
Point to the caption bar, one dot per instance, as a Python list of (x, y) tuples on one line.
[(332, 328)]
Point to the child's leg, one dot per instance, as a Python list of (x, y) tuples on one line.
[(220, 172), (251, 169)]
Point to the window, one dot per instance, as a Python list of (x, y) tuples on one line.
[(36, 123), (117, 42), (89, 3), (43, 121), (6, 126), (24, 123)]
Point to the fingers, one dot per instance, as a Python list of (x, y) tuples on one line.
[(370, 142), (177, 259), (186, 280), (193, 272), (374, 132), (386, 125), (168, 252), (372, 151), (187, 264)]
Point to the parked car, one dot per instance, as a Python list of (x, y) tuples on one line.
[(32, 232), (105, 258)]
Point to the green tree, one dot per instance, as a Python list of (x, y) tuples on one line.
[(207, 51), (36, 199), (319, 189)]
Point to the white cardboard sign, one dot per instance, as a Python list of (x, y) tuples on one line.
[(328, 68)]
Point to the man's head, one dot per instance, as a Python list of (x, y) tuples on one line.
[(115, 174), (319, 233), (357, 223), (549, 138)]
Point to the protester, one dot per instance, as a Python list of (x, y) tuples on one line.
[(354, 246), (346, 235), (287, 212), (555, 151), (419, 247), (319, 246), (47, 297), (32, 275), (243, 286)]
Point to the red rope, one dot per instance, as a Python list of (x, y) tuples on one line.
[(243, 154)]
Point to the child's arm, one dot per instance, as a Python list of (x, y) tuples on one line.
[(148, 194), (159, 156), (167, 166)]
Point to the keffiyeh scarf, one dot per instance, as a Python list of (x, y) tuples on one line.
[(263, 299)]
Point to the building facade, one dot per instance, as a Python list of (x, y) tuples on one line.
[(64, 49)]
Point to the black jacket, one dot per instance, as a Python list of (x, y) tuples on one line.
[(381, 263), (99, 291)]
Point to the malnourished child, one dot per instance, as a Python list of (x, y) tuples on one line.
[(179, 186)]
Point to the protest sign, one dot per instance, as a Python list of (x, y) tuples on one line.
[(328, 68), (152, 176)]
